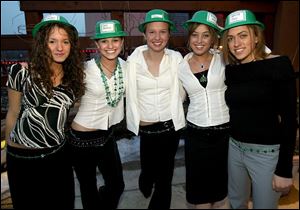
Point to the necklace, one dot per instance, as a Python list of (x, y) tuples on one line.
[(113, 96), (105, 67), (56, 76), (203, 78)]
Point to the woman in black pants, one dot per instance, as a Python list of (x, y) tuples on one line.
[(154, 107), (91, 136)]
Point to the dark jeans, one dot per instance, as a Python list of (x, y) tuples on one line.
[(107, 159), (40, 182), (157, 153)]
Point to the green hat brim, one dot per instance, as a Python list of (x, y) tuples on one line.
[(109, 35), (38, 26), (142, 25), (261, 25)]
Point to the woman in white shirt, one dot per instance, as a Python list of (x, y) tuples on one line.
[(91, 135), (206, 142), (154, 107)]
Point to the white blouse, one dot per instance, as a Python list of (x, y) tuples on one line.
[(154, 93), (207, 105), (94, 112), (150, 98)]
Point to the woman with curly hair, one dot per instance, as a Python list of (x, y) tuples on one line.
[(40, 96)]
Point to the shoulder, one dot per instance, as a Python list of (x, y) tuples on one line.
[(122, 62), (18, 69), (174, 55), (280, 66), (279, 60), (272, 56), (137, 53), (24, 65), (90, 64)]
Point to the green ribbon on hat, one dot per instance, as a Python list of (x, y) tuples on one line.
[(52, 19), (107, 29), (239, 18), (156, 15)]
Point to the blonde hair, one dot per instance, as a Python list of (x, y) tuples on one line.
[(259, 51)]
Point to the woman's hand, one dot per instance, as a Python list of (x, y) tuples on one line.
[(282, 184)]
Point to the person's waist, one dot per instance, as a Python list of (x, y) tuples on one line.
[(148, 118), (258, 148), (214, 127), (32, 153), (24, 142), (155, 112), (161, 126), (215, 96), (206, 120), (16, 145), (89, 138), (94, 122), (93, 134)]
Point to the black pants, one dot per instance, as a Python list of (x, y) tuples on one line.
[(157, 153), (44, 182), (107, 159)]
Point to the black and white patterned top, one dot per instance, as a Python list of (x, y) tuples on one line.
[(41, 121)]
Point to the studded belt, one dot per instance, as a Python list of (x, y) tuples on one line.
[(246, 147), (95, 142), (157, 128)]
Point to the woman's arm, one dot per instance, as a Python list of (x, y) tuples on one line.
[(14, 104)]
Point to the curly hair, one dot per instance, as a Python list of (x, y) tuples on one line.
[(39, 67)]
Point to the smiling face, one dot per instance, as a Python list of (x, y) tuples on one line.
[(201, 40), (241, 43), (59, 44), (110, 48), (157, 35)]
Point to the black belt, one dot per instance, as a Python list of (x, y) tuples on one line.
[(217, 127), (157, 128), (88, 142)]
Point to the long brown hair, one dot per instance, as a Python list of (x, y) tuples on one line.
[(192, 27), (39, 68), (259, 50)]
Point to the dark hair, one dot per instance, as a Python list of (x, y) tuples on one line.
[(259, 51), (73, 66), (192, 27)]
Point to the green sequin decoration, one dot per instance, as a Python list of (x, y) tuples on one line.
[(203, 78)]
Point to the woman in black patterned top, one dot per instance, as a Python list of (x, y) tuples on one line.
[(261, 96), (40, 96)]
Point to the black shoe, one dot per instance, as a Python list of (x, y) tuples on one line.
[(145, 187)]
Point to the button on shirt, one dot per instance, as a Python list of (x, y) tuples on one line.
[(94, 112), (154, 93), (163, 101), (207, 105)]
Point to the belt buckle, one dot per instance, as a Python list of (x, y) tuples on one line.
[(165, 124)]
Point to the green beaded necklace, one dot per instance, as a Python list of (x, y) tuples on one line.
[(115, 96)]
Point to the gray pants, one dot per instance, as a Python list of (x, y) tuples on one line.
[(251, 167)]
